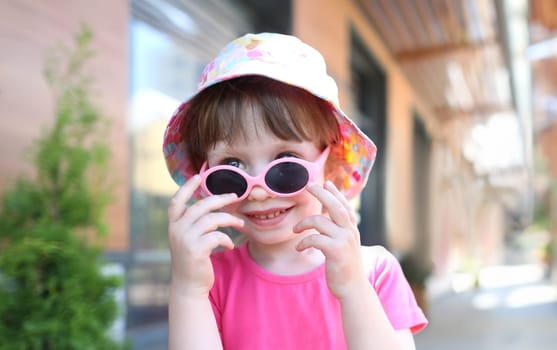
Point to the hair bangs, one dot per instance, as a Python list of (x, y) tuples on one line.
[(226, 111)]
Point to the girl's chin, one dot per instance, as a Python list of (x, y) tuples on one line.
[(269, 237)]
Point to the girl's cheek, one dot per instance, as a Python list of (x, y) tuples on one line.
[(316, 207)]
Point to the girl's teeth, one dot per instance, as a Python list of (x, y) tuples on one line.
[(269, 216)]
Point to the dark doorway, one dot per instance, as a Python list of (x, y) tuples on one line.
[(421, 156), (369, 91)]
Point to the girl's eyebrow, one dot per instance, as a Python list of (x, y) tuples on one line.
[(219, 156), (225, 151)]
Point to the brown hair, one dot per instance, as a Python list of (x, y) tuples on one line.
[(218, 113)]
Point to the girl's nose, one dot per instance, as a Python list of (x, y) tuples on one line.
[(259, 193)]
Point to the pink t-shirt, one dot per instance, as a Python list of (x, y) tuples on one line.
[(256, 309)]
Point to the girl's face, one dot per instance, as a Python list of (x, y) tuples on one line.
[(268, 219)]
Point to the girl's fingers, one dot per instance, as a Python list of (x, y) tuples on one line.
[(342, 199), (337, 211), (209, 204), (177, 204), (321, 242), (214, 221), (196, 229), (215, 239), (320, 223)]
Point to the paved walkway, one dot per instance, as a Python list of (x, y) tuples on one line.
[(516, 313)]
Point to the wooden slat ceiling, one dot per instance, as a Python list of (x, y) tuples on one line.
[(451, 52)]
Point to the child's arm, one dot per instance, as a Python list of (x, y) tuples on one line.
[(365, 323), (193, 234), (191, 323)]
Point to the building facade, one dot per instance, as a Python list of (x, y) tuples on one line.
[(422, 197)]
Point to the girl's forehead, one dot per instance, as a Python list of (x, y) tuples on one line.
[(263, 140), (252, 125), (252, 135)]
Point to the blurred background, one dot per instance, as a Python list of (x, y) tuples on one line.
[(458, 95)]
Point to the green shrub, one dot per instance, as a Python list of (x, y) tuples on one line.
[(53, 294)]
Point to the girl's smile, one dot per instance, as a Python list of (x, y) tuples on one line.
[(267, 218)]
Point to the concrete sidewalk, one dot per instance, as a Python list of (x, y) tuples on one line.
[(510, 315)]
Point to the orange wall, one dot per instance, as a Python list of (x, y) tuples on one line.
[(27, 29)]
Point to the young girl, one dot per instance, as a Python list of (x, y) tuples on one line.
[(264, 147)]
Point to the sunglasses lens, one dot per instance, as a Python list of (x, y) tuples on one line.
[(287, 177), (226, 181)]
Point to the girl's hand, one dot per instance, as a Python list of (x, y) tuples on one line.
[(339, 240), (193, 234)]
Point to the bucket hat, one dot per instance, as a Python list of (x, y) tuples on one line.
[(286, 59)]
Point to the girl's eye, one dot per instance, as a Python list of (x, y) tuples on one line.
[(286, 155), (235, 162)]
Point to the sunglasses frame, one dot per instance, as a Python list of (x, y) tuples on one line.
[(311, 167)]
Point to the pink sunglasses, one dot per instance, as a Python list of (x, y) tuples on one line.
[(283, 177)]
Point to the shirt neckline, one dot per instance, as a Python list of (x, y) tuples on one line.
[(275, 278)]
